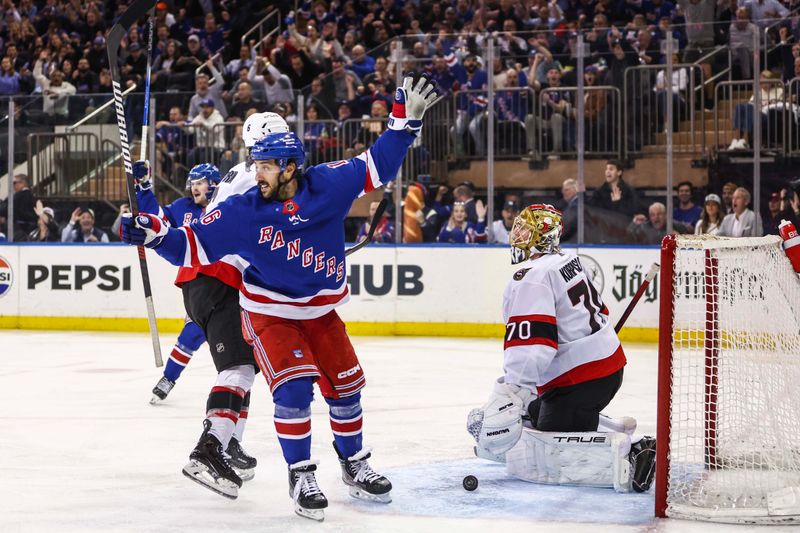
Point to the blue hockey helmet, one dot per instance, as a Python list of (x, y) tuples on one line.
[(204, 171), (282, 147)]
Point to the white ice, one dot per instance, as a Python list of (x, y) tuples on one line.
[(82, 450)]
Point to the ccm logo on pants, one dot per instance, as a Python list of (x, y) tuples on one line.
[(348, 373)]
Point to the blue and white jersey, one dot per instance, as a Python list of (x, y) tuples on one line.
[(179, 213), (293, 250)]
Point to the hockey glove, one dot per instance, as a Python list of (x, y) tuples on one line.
[(144, 230), (141, 175), (497, 426), (411, 101)]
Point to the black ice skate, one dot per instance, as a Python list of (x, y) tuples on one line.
[(309, 501), (643, 463), (209, 467), (161, 390), (243, 464), (364, 482)]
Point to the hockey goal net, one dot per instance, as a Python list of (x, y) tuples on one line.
[(729, 381)]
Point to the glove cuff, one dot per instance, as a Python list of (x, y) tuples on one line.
[(404, 124)]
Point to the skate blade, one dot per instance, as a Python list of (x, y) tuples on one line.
[(361, 494), (200, 474), (313, 514), (245, 474), (155, 400)]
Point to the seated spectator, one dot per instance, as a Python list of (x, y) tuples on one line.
[(244, 102), (135, 66), (711, 218), (315, 134), (569, 210), (774, 215), (361, 64), (340, 84), (194, 57), (384, 231), (727, 197), (81, 228), (441, 74), (501, 228), (459, 230), (372, 128), (743, 222), (650, 229), (204, 91), (744, 114), (97, 54), (346, 126), (464, 194), (46, 227), (615, 194), (686, 212)]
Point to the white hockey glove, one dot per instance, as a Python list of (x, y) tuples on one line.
[(497, 426), (416, 95)]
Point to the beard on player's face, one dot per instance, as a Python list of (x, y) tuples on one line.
[(273, 183)]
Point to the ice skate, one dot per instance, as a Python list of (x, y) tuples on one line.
[(161, 390), (364, 482), (643, 463), (309, 502), (209, 467), (242, 463)]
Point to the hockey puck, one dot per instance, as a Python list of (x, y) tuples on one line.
[(470, 483)]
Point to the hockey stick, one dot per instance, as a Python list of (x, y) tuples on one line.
[(135, 11), (643, 287), (146, 119), (372, 225)]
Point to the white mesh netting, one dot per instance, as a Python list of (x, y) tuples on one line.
[(735, 399)]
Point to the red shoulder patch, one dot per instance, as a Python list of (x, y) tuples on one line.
[(290, 207)]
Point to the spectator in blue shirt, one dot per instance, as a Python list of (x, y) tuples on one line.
[(459, 230), (9, 79), (211, 37), (362, 64), (686, 212)]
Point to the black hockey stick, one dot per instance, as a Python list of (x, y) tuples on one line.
[(135, 11), (372, 225), (636, 297)]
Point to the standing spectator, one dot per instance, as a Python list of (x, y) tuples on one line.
[(301, 70), (555, 107), (340, 84), (209, 137), (362, 64), (244, 60), (98, 55), (85, 81), (569, 210), (741, 42), (774, 215), (211, 37), (46, 228), (204, 91), (24, 215), (54, 90), (727, 197), (194, 57), (276, 87), (472, 104), (686, 212), (677, 89), (441, 74), (375, 125), (700, 19), (502, 227), (135, 66), (711, 218), (384, 231), (381, 75), (459, 230), (743, 222), (464, 194), (650, 229), (81, 228), (615, 194), (765, 12), (10, 80)]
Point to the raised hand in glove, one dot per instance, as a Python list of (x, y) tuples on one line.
[(411, 100), (143, 230), (141, 175)]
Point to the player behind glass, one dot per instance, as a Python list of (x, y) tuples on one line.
[(201, 182), (563, 364), (290, 234)]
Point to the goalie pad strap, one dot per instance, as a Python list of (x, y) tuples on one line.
[(591, 459)]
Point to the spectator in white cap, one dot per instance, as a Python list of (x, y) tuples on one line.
[(46, 227), (711, 218), (500, 228), (81, 228)]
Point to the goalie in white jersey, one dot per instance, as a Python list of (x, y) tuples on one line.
[(563, 364)]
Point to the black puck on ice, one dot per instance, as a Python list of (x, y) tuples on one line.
[(470, 483)]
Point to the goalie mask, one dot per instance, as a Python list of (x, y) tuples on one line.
[(537, 229)]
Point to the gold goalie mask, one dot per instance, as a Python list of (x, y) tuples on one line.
[(537, 229)]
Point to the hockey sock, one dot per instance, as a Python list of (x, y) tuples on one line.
[(238, 432), (226, 399), (345, 414), (293, 418), (189, 340)]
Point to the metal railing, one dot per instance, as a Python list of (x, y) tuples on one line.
[(272, 22), (734, 112), (100, 109)]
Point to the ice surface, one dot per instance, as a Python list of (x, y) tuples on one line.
[(82, 450)]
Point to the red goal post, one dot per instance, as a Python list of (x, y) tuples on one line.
[(728, 377)]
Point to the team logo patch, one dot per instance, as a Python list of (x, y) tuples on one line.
[(519, 274), (6, 276), (593, 271), (220, 347), (290, 207), (298, 353)]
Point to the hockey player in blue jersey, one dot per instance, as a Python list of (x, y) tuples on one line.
[(290, 232), (202, 181)]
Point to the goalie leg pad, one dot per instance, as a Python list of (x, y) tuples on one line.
[(590, 459)]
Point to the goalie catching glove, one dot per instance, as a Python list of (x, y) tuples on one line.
[(411, 100), (497, 426), (142, 230)]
